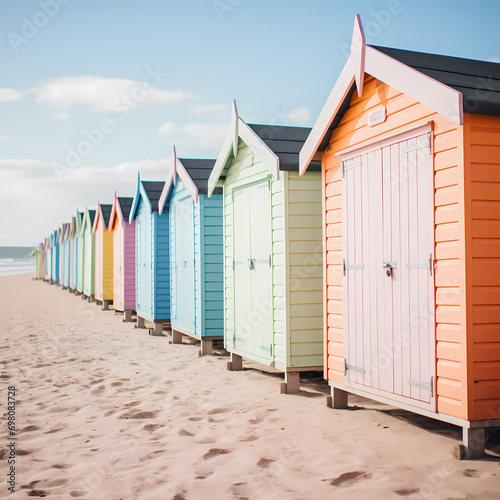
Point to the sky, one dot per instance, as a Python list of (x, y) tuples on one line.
[(93, 91)]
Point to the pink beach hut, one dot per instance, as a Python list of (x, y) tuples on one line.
[(123, 233)]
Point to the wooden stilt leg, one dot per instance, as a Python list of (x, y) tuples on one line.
[(236, 363), (141, 323), (206, 347), (157, 331), (176, 337), (291, 384), (127, 315), (83, 296), (474, 444), (106, 304), (338, 399)]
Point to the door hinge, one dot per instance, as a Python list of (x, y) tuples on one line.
[(270, 264), (353, 368), (348, 164), (423, 385), (422, 265), (351, 267), (424, 144)]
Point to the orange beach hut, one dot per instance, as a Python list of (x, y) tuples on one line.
[(410, 151), (103, 263)]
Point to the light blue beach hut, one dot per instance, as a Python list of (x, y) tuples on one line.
[(64, 255), (152, 256), (55, 256), (196, 252)]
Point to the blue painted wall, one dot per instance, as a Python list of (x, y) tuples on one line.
[(207, 317), (152, 263)]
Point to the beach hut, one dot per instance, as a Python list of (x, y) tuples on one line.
[(103, 285), (272, 250), (124, 270), (55, 256), (196, 252), (80, 252), (73, 254), (64, 261), (39, 254), (43, 260), (151, 256), (410, 161), (48, 258), (88, 246)]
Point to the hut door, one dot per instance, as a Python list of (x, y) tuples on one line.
[(184, 263), (388, 287), (252, 270), (118, 263)]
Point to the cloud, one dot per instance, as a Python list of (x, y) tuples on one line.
[(61, 115), (167, 128), (206, 135), (104, 94), (10, 95), (209, 108), (44, 199), (299, 116)]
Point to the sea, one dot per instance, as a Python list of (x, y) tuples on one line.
[(16, 260)]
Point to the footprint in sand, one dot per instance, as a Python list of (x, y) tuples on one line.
[(152, 427), (77, 494), (265, 462), (216, 411), (349, 478), (57, 482), (30, 428), (37, 493), (60, 466), (214, 452), (195, 419), (471, 473), (406, 492), (116, 384), (183, 432), (53, 431)]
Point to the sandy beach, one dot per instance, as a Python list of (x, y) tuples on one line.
[(104, 411)]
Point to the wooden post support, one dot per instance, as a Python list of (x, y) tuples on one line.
[(141, 323), (206, 346), (91, 298), (127, 315), (65, 287), (106, 304), (236, 363), (176, 337), (474, 443), (83, 296), (338, 399), (157, 330), (291, 385)]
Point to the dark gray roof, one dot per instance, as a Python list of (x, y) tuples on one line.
[(92, 217), (125, 205), (286, 143), (153, 190), (106, 213), (199, 171), (478, 81)]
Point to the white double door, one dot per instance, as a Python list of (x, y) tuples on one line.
[(388, 287), (253, 305)]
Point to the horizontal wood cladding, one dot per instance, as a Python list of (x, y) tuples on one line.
[(484, 259), (402, 111)]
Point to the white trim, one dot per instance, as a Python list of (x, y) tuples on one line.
[(439, 97), (239, 129), (385, 140)]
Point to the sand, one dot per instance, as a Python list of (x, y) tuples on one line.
[(104, 411)]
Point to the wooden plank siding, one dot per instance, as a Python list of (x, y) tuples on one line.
[(304, 269), (402, 111), (483, 166), (161, 266), (211, 265)]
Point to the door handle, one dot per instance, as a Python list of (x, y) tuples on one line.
[(389, 266), (251, 264)]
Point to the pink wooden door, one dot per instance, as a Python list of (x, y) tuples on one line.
[(118, 271), (388, 285)]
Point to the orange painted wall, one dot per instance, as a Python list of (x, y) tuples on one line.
[(482, 156), (451, 348)]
